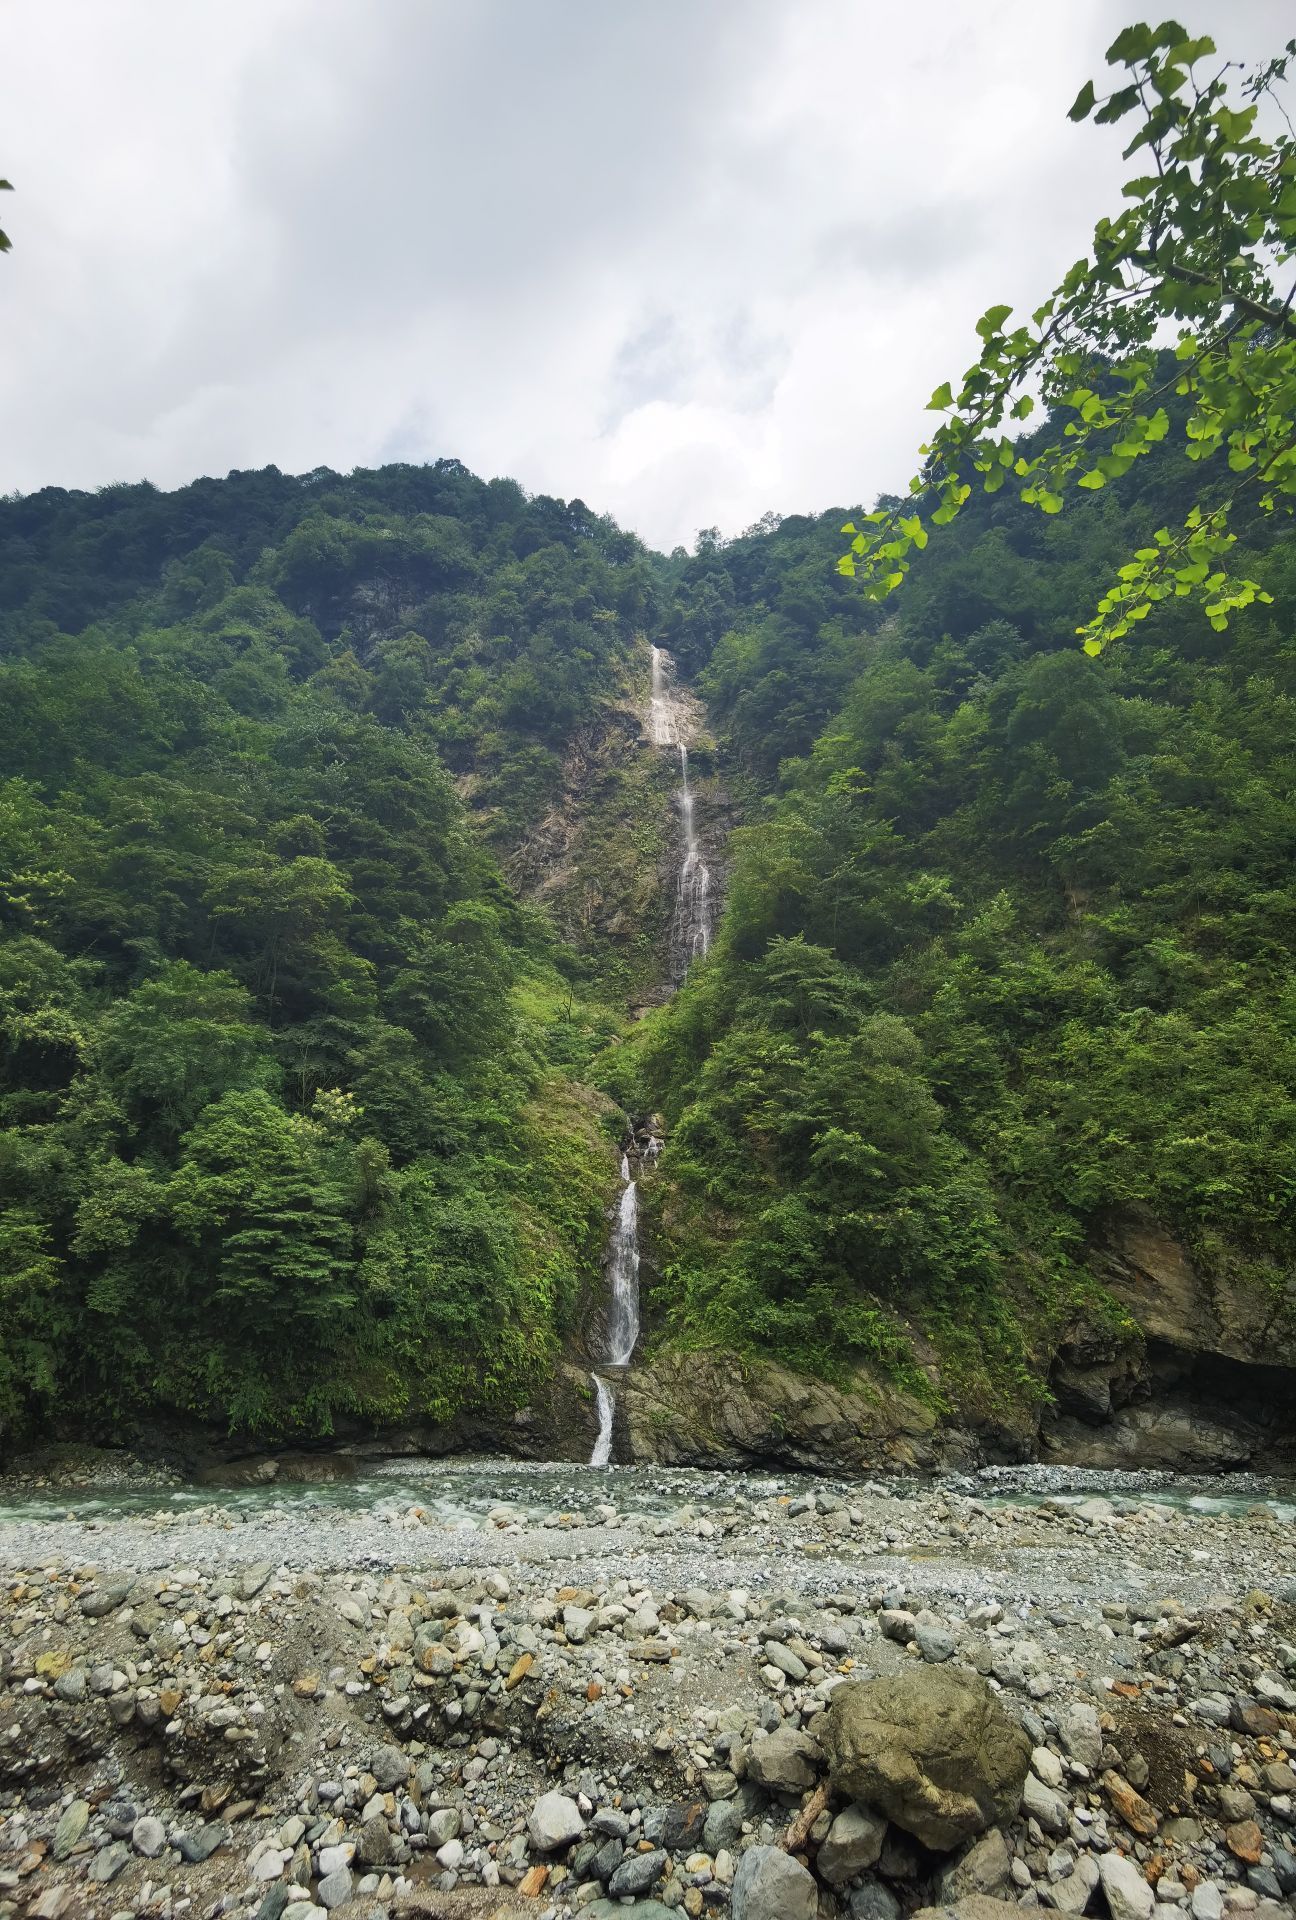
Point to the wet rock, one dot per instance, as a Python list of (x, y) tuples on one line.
[(932, 1749)]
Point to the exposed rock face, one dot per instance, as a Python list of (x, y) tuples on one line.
[(715, 1408), (1201, 1379), (933, 1750)]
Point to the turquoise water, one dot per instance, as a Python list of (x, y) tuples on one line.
[(465, 1491)]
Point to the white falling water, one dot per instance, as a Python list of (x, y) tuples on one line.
[(662, 709), (602, 1453), (693, 893), (623, 1309), (669, 725), (623, 1271)]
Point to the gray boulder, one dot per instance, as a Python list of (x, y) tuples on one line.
[(932, 1749), (554, 1821), (1127, 1893), (334, 1890), (638, 1872), (1044, 1805), (874, 1901), (769, 1885), (983, 1869), (1080, 1732), (70, 1828), (784, 1762), (390, 1767), (853, 1842)]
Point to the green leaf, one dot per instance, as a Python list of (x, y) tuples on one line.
[(941, 399), (1115, 108), (991, 321), (1133, 43), (1083, 104)]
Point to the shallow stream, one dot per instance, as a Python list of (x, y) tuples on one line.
[(466, 1491)]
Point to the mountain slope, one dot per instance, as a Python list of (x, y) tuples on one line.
[(998, 1037)]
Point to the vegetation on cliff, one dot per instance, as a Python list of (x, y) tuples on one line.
[(280, 1136), (1006, 949)]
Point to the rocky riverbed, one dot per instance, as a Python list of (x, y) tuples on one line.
[(647, 1695)]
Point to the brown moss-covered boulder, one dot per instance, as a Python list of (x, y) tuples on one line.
[(933, 1750)]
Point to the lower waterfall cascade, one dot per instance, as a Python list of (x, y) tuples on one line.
[(669, 725)]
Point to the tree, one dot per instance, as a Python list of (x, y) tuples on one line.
[(1203, 248)]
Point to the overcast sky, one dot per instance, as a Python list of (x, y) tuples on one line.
[(689, 259)]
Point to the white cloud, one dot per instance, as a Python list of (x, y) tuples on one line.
[(687, 262)]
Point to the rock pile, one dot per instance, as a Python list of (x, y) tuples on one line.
[(863, 1732)]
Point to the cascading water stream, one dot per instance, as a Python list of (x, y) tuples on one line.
[(693, 892), (669, 724), (602, 1454)]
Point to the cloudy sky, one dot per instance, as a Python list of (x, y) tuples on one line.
[(690, 259)]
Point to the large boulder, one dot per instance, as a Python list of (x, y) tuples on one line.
[(932, 1749), (770, 1885)]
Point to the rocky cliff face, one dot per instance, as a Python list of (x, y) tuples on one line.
[(1204, 1379), (1201, 1379)]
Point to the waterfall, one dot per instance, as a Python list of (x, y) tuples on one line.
[(661, 710), (623, 1271), (669, 725), (623, 1308), (693, 892), (603, 1394)]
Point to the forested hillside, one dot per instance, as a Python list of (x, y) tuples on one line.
[(287, 1127), (331, 868), (1006, 960)]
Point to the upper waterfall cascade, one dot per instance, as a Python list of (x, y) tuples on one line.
[(670, 724)]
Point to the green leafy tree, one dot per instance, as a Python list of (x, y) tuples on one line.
[(1204, 250)]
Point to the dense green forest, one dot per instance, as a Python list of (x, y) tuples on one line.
[(1006, 955), (297, 1118), (286, 1128)]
